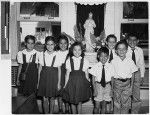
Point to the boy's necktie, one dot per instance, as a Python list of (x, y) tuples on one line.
[(103, 82), (111, 56), (133, 56)]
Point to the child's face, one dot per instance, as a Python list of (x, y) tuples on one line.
[(103, 57), (50, 46), (30, 44), (132, 41), (111, 43), (77, 51), (63, 44), (121, 50)]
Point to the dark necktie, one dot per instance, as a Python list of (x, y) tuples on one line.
[(103, 82), (111, 56), (133, 56)]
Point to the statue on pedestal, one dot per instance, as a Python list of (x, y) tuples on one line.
[(89, 26)]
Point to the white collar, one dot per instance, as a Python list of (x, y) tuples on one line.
[(136, 48), (46, 52), (75, 58), (100, 64), (31, 52)]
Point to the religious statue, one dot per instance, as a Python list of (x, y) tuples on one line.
[(89, 26)]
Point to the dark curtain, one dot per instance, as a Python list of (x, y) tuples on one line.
[(98, 16)]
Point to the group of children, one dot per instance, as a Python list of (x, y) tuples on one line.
[(63, 73)]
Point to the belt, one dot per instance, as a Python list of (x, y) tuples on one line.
[(123, 80), (100, 82)]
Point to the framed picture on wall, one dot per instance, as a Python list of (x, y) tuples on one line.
[(135, 10)]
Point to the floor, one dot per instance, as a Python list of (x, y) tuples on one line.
[(87, 108)]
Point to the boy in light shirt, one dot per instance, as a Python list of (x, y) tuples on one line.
[(123, 79), (111, 41), (102, 73), (136, 54)]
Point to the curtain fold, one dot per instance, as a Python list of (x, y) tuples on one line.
[(98, 17)]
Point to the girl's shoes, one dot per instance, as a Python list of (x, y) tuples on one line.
[(67, 112), (60, 111)]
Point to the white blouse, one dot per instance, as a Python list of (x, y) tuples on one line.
[(77, 62), (49, 59), (96, 71), (124, 68), (63, 55), (28, 56)]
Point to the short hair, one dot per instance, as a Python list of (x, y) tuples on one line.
[(63, 37), (132, 35), (121, 42), (102, 50), (72, 47), (111, 36), (50, 38), (29, 37)]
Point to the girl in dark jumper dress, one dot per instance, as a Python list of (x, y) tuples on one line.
[(49, 73), (63, 44), (77, 86), (28, 57)]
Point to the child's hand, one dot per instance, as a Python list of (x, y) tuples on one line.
[(95, 93), (59, 86)]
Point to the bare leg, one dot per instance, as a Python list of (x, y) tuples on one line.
[(73, 107), (45, 105), (42, 103), (51, 105), (97, 107), (67, 108), (79, 107), (60, 102), (108, 107), (103, 107)]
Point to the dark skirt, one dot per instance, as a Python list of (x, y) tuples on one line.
[(77, 89), (30, 83), (48, 82)]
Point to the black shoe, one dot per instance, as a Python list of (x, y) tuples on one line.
[(60, 111), (67, 112)]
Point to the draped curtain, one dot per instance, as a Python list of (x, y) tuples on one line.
[(98, 17)]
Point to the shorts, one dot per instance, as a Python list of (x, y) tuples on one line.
[(103, 93)]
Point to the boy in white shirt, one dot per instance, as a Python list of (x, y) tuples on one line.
[(123, 79), (102, 73), (111, 41), (136, 54)]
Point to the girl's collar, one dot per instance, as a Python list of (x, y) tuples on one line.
[(49, 53), (73, 57), (25, 51)]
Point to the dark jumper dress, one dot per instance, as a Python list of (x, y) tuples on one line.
[(29, 86), (48, 80), (78, 87)]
